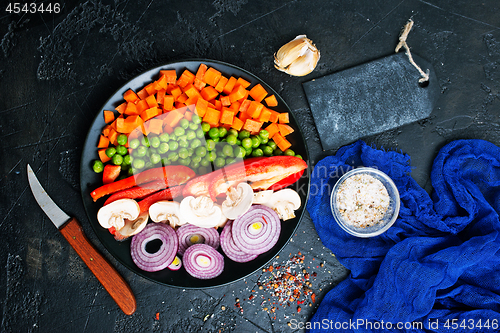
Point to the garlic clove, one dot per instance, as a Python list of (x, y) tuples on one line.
[(298, 57)]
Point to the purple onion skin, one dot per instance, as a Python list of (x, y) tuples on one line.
[(229, 247), (210, 234), (215, 268)]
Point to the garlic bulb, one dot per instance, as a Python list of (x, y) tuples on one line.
[(298, 57)]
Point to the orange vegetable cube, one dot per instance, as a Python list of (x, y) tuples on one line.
[(277, 138), (237, 93), (253, 126), (161, 83), (244, 116), (284, 144), (265, 115), (199, 84), (283, 118), (181, 98), (254, 109), (176, 91), (150, 89), (155, 125), (109, 116), (179, 105), (272, 129), (229, 85), (258, 92), (221, 84), (201, 71), (151, 100), (209, 93), (271, 101), (188, 115), (121, 108), (103, 142), (243, 82), (227, 116), (141, 106), (102, 156), (172, 118), (285, 129), (225, 100), (150, 113), (212, 116), (168, 102), (235, 106), (212, 76), (191, 91), (170, 75), (131, 109), (237, 124), (186, 78), (274, 116), (130, 96), (112, 136), (201, 107), (244, 105), (160, 95)]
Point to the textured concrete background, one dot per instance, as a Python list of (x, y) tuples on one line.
[(57, 70)]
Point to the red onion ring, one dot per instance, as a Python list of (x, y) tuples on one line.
[(253, 241), (209, 236), (175, 265), (229, 247), (203, 261), (153, 262)]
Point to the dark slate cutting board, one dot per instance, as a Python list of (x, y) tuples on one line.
[(369, 99)]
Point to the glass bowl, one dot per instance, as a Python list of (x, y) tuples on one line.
[(391, 212)]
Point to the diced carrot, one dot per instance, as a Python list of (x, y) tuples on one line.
[(168, 102), (109, 116), (112, 136), (285, 129), (155, 125), (258, 92), (272, 129), (128, 124), (243, 82), (191, 91), (105, 130), (225, 100), (235, 106), (252, 126), (150, 113), (181, 98), (271, 101), (179, 105), (130, 96), (141, 106), (283, 118), (103, 142), (151, 100), (161, 83), (274, 116), (254, 109), (201, 71), (150, 88), (277, 138), (265, 115), (229, 85), (244, 105), (227, 116), (131, 109), (237, 93), (102, 156), (170, 75), (209, 93), (167, 128), (199, 84), (201, 107), (237, 124), (244, 116), (221, 84), (212, 116), (142, 93), (121, 108), (160, 95), (212, 76), (172, 118), (284, 144), (186, 78), (188, 115), (218, 105), (244, 98), (192, 100)]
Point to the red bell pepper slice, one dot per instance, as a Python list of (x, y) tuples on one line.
[(136, 192), (110, 173), (172, 175), (287, 181), (261, 173), (166, 194)]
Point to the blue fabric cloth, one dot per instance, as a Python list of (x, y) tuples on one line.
[(438, 267)]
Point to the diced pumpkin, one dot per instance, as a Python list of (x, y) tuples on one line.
[(284, 144), (209, 93), (212, 116), (161, 83), (155, 125), (265, 114), (228, 88), (254, 109), (225, 100), (160, 95), (172, 118), (272, 129), (227, 116), (274, 116), (235, 106), (201, 71), (121, 108), (170, 75), (131, 109), (186, 78), (109, 116), (252, 126), (221, 84), (285, 129), (150, 88), (244, 116), (237, 124), (142, 93), (258, 93), (141, 106), (271, 101), (103, 142), (199, 84), (150, 113), (191, 91), (112, 136), (188, 115), (127, 125), (181, 98), (212, 76), (237, 93), (244, 105), (201, 107), (168, 102), (243, 82), (283, 118), (130, 96)]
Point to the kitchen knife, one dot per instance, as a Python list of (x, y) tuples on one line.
[(71, 229)]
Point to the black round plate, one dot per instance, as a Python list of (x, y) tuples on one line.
[(121, 250)]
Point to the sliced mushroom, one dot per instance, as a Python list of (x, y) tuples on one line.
[(201, 211), (284, 202), (115, 213), (238, 200), (132, 227), (167, 212), (262, 197)]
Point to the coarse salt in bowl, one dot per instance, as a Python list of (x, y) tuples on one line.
[(365, 202)]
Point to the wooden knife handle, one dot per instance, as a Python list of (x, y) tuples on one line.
[(109, 277)]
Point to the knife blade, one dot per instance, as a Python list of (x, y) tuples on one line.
[(71, 229)]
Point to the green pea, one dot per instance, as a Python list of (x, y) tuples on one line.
[(210, 145), (131, 171), (178, 131), (173, 156), (173, 137), (163, 148), (145, 141), (148, 165), (151, 151), (238, 142), (289, 152), (255, 141), (138, 163), (264, 140), (121, 150), (182, 138), (230, 160), (213, 133), (195, 143), (196, 119), (277, 152), (183, 143), (98, 166), (134, 143), (184, 161), (155, 158), (164, 137), (194, 165), (264, 134), (267, 150), (231, 139), (205, 127), (243, 135), (222, 132), (190, 151), (216, 139), (196, 159), (239, 152), (212, 156), (227, 150), (204, 162), (232, 131), (183, 153), (200, 134), (246, 143), (272, 144), (140, 151), (190, 135), (122, 139), (299, 156), (110, 152), (248, 151), (155, 142), (173, 145), (219, 162), (184, 123), (127, 160), (193, 126), (257, 152)]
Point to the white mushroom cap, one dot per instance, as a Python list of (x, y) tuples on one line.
[(284, 202), (262, 197), (167, 212), (133, 227), (238, 200), (201, 211), (115, 213)]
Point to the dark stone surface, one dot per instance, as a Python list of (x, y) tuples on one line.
[(57, 70)]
